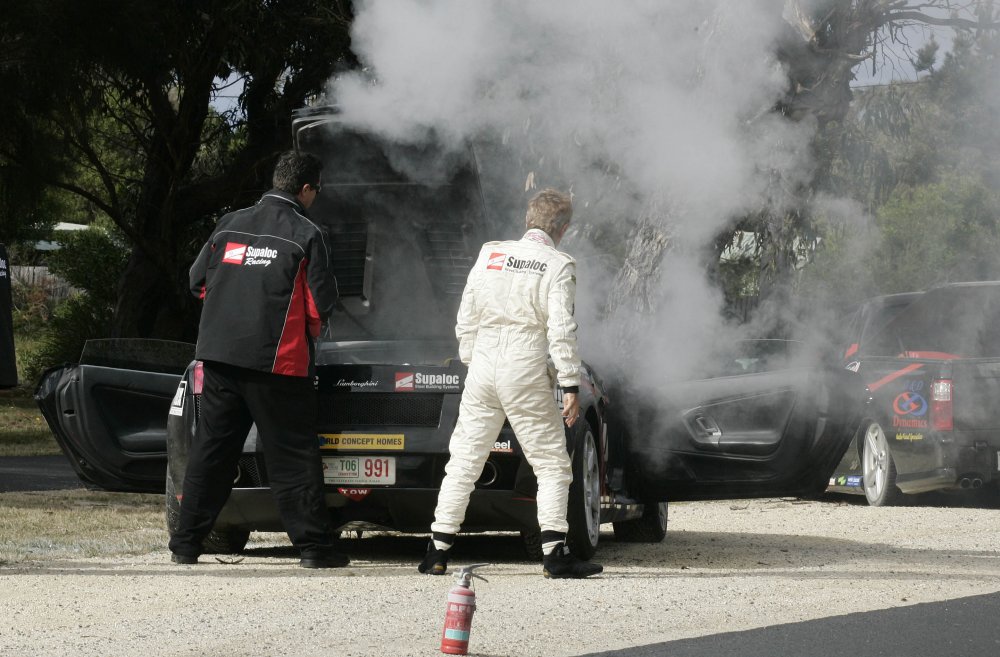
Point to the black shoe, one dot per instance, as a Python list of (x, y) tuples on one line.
[(435, 561), (331, 560), (184, 559), (560, 564)]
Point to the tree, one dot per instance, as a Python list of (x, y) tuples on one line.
[(826, 41), (922, 159), (112, 102)]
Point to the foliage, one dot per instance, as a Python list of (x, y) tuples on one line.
[(922, 160), (31, 306), (112, 103), (938, 233), (74, 322), (92, 260)]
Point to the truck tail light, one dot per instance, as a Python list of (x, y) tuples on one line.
[(197, 378), (942, 418)]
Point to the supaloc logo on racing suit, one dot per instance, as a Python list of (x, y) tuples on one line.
[(414, 381), (504, 262), (242, 254)]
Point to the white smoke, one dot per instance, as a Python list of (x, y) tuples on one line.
[(628, 104)]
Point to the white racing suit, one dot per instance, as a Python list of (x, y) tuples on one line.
[(517, 309)]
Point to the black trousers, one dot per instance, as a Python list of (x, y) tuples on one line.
[(284, 409)]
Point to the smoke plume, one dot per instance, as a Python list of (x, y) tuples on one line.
[(639, 108)]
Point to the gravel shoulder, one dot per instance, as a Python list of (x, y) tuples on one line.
[(724, 566)]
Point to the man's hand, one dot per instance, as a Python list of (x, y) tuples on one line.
[(571, 408)]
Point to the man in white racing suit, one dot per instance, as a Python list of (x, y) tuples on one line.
[(516, 310)]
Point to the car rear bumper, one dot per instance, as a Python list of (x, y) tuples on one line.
[(398, 509)]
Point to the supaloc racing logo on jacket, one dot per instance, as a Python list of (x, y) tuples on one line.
[(504, 262), (245, 255)]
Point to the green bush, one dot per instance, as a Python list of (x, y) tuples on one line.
[(92, 261), (74, 321), (32, 306)]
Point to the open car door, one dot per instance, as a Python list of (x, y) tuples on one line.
[(766, 420), (109, 412)]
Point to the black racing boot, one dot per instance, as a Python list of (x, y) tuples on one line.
[(436, 560), (560, 564), (184, 559)]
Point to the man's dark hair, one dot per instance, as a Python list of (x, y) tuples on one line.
[(294, 170)]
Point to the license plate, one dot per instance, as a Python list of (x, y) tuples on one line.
[(359, 470)]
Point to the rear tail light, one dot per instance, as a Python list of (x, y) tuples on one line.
[(942, 417), (197, 378)]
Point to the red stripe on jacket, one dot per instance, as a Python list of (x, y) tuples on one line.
[(292, 357)]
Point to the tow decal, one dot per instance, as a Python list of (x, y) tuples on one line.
[(895, 375)]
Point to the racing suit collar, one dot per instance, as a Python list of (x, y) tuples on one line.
[(540, 236), (278, 195)]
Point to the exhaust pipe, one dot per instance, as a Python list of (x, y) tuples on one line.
[(977, 483), (965, 483), (490, 474)]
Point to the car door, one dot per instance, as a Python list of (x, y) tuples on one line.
[(758, 426), (109, 411)]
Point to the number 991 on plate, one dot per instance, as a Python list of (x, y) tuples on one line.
[(377, 470)]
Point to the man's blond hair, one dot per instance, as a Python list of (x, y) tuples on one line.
[(549, 210)]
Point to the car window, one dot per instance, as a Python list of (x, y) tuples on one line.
[(754, 356), (948, 322)]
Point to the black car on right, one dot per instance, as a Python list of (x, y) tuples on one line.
[(931, 363)]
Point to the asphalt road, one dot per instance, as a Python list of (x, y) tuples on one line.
[(959, 628), (35, 473)]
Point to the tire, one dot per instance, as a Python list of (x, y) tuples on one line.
[(651, 527), (221, 540), (878, 468), (531, 539), (584, 509)]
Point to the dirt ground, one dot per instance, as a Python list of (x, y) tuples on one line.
[(724, 566)]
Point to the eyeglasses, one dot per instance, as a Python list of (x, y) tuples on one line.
[(318, 187)]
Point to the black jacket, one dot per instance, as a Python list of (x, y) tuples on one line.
[(268, 285)]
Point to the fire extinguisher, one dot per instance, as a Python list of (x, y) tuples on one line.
[(459, 610)]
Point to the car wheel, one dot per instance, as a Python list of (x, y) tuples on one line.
[(878, 468), (651, 527), (531, 539), (221, 540), (584, 510)]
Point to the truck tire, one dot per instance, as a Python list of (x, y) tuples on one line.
[(878, 468), (221, 540), (651, 527), (584, 509)]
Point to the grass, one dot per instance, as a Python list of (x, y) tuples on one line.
[(79, 523), (23, 430)]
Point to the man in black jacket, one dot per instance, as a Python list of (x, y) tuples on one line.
[(267, 282)]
